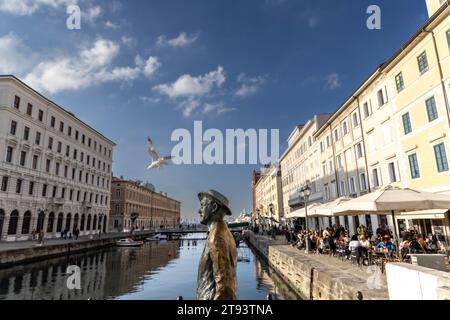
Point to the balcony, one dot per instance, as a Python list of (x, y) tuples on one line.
[(87, 204), (57, 201)]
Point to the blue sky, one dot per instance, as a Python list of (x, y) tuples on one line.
[(146, 67)]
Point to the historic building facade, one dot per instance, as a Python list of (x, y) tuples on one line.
[(269, 196), (55, 170), (393, 130), (136, 206)]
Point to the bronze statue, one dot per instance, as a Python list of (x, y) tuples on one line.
[(217, 269)]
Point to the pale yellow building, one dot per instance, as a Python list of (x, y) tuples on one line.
[(268, 195)]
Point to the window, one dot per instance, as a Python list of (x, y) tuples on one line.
[(422, 62), (71, 195), (431, 109), (336, 135), (406, 123), (76, 135), (69, 131), (343, 190), (355, 120), (13, 128), (61, 126), (339, 161), (38, 138), (67, 151), (35, 162), (82, 156), (44, 190), (441, 157), (73, 173), (29, 109), (399, 82), (52, 122), (380, 97), (363, 182), (23, 158), (352, 185), (448, 38), (83, 139), (5, 184), (321, 147), (19, 186), (328, 141), (366, 110), (75, 154), (57, 168), (9, 154), (16, 102), (89, 142), (47, 165), (26, 133), (392, 172), (40, 115), (414, 166), (359, 152), (55, 190), (59, 147), (344, 127), (375, 177), (50, 143), (31, 188)]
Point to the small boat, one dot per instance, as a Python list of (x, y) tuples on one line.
[(175, 236), (157, 237), (129, 243)]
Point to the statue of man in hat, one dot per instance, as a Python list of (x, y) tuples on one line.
[(217, 269)]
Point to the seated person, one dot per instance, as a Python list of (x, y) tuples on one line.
[(354, 247), (386, 245)]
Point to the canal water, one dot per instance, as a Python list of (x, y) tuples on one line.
[(156, 271)]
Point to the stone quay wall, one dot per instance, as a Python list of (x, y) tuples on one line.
[(34, 253), (314, 277)]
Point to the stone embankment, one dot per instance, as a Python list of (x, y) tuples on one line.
[(319, 277)]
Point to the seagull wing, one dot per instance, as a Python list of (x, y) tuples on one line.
[(151, 150)]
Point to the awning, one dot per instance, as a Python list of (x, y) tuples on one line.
[(423, 214), (301, 213)]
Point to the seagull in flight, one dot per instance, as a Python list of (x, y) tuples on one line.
[(157, 161)]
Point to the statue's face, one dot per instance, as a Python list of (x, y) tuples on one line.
[(207, 210)]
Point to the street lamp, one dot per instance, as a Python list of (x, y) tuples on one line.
[(304, 193)]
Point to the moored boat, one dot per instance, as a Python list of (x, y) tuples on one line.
[(157, 237), (129, 243)]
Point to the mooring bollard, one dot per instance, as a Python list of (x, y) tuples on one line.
[(359, 295), (179, 298)]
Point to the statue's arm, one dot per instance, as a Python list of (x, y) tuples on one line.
[(222, 269)]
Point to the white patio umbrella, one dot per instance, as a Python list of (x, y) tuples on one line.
[(301, 213), (326, 209), (393, 199)]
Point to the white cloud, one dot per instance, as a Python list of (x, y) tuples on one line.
[(183, 40), (130, 42), (151, 66), (217, 108), (150, 100), (92, 65), (15, 57), (91, 14), (189, 106), (111, 25), (249, 86), (29, 7), (333, 81), (187, 85)]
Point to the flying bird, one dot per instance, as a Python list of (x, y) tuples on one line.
[(157, 161)]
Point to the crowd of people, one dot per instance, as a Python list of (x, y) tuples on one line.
[(361, 245)]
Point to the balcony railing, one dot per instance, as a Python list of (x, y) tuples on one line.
[(87, 204)]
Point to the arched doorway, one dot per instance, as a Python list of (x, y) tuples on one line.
[(51, 222), (88, 225), (83, 219), (59, 223), (75, 223), (2, 219), (13, 221), (68, 221), (40, 222), (26, 223), (94, 225)]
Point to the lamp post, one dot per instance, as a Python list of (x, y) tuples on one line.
[(304, 193)]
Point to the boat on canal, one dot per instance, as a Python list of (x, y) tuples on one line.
[(157, 237), (129, 243)]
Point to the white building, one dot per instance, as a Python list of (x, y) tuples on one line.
[(269, 196), (55, 170)]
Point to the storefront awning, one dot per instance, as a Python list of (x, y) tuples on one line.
[(423, 214)]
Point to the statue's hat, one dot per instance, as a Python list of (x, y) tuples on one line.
[(218, 197)]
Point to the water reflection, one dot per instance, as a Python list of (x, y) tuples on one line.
[(161, 270)]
